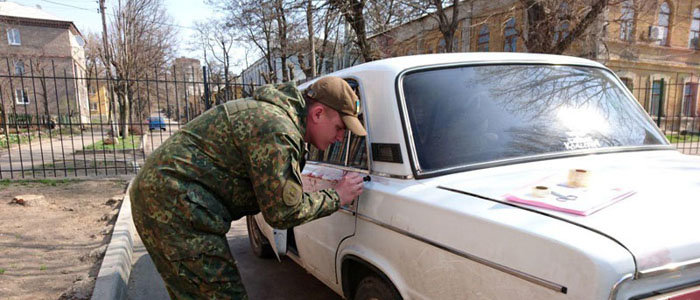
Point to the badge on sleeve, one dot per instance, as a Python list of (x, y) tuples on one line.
[(291, 193)]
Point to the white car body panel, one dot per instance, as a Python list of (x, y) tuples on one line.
[(454, 237)]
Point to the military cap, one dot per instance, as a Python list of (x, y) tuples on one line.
[(337, 94)]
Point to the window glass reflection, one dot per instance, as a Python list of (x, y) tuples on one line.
[(466, 115)]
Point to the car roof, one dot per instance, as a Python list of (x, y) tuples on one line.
[(399, 64)]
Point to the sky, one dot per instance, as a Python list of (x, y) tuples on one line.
[(85, 14)]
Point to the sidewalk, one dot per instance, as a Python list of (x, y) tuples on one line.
[(263, 278)]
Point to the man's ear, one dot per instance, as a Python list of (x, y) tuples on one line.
[(316, 112)]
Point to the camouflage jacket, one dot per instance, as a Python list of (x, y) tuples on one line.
[(248, 155)]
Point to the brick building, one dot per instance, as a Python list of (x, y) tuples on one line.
[(652, 46), (45, 60)]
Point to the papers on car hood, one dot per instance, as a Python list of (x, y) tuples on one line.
[(658, 223)]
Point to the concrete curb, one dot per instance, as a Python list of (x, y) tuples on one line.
[(112, 280)]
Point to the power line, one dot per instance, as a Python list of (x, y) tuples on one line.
[(97, 11)]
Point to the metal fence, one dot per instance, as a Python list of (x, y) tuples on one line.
[(672, 103), (59, 121)]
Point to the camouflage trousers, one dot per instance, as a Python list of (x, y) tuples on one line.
[(184, 231)]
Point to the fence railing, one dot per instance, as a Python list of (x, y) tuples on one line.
[(57, 120), (672, 103)]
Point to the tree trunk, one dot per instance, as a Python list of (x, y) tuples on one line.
[(312, 42), (123, 114)]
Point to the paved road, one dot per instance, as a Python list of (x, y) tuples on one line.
[(263, 278)]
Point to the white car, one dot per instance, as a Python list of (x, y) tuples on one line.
[(469, 157)]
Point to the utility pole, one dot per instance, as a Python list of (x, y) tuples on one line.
[(108, 65)]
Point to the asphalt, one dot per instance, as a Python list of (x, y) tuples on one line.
[(263, 278)]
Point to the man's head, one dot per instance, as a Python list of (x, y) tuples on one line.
[(332, 107)]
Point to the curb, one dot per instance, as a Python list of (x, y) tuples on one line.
[(111, 282)]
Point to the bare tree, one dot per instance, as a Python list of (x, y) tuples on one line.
[(141, 41), (447, 21), (354, 13), (217, 40)]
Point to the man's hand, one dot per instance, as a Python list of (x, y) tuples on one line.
[(349, 188)]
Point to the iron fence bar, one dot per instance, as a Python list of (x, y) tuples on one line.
[(167, 103), (207, 94), (70, 123), (53, 155), (150, 112), (6, 128), (58, 108), (14, 110), (177, 97), (100, 112), (27, 121), (131, 117), (115, 129), (78, 102), (129, 80), (92, 128), (36, 109), (125, 125), (158, 105)]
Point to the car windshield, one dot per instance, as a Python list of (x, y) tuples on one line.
[(474, 114)]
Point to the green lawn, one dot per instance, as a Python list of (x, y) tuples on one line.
[(674, 138), (16, 139), (23, 138), (132, 142)]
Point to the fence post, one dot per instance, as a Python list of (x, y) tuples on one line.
[(661, 100), (207, 102)]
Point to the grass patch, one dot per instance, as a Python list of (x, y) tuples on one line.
[(2, 271), (674, 138), (50, 182), (131, 142), (42, 268), (15, 139)]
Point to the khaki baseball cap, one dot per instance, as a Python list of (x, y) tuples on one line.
[(337, 94)]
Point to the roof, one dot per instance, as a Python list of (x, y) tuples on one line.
[(12, 9), (395, 65)]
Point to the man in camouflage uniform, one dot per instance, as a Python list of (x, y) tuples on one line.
[(237, 159)]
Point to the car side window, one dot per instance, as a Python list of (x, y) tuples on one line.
[(351, 152)]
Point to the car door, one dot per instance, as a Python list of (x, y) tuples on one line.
[(317, 241)]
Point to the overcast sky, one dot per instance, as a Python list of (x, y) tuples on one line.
[(86, 16)]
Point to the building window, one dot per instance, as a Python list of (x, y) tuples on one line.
[(628, 83), (664, 18), (510, 36), (19, 68), (93, 105), (483, 40), (561, 31), (21, 97), (13, 36), (627, 20), (441, 48), (694, 39), (656, 97), (690, 96)]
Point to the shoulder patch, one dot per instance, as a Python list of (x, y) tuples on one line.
[(238, 105), (291, 193)]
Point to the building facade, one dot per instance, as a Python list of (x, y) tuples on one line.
[(43, 60), (652, 45)]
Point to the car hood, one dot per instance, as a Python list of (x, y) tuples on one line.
[(658, 224)]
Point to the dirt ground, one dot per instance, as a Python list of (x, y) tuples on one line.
[(51, 248)]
